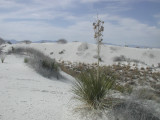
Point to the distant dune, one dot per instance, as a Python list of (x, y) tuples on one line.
[(85, 52)]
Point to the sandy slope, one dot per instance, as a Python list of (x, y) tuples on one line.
[(26, 95)]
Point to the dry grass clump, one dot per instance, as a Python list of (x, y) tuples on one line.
[(126, 77), (122, 58)]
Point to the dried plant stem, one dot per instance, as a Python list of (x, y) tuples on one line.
[(98, 30), (98, 50)]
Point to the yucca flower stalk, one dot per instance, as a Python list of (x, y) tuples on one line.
[(98, 34)]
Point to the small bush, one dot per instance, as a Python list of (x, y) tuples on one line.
[(119, 59), (92, 92), (25, 60), (49, 65)]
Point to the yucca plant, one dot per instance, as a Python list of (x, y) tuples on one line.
[(92, 92), (92, 86)]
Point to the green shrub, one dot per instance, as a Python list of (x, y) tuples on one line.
[(92, 92), (25, 60), (49, 65)]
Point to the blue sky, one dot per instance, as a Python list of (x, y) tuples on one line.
[(126, 21)]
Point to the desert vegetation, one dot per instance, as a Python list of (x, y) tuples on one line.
[(122, 79), (126, 76), (122, 58), (38, 61), (92, 92), (92, 87)]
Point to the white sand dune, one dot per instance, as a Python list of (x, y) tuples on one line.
[(83, 52), (26, 95)]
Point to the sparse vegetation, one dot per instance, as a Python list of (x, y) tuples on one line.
[(49, 65), (122, 58), (39, 62), (119, 59), (126, 77)]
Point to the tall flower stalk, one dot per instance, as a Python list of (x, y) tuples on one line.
[(98, 34)]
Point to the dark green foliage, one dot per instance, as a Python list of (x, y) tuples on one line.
[(92, 92), (49, 65), (26, 60)]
